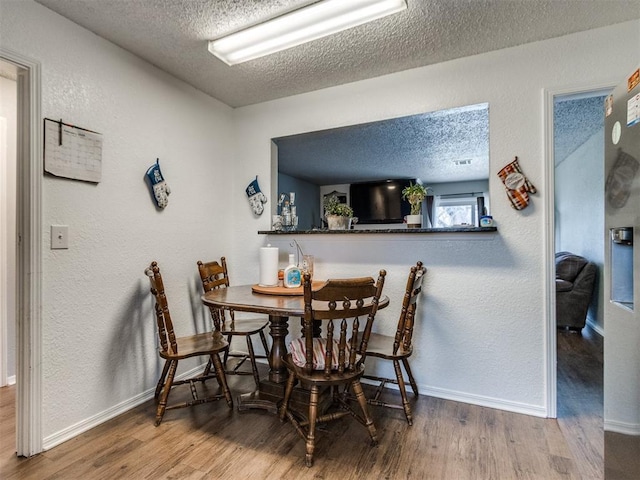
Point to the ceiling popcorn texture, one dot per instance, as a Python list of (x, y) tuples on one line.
[(575, 120), (173, 35)]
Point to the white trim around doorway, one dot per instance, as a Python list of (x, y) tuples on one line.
[(29, 256)]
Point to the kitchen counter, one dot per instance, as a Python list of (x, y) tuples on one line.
[(395, 231)]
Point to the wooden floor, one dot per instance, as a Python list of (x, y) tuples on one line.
[(448, 440), (622, 456), (580, 399)]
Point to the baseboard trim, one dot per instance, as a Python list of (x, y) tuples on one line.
[(595, 327), (479, 400), (622, 427), (483, 401), (98, 419)]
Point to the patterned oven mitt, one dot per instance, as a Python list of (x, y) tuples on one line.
[(158, 185), (257, 199), (516, 184)]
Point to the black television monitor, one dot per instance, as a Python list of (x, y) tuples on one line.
[(380, 201)]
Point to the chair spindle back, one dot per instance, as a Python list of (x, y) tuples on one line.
[(404, 331), (166, 333), (214, 275), (341, 300)]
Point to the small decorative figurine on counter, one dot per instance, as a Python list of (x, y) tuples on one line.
[(159, 187), (516, 184), (257, 199)]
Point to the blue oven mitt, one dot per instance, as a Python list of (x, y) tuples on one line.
[(257, 199), (159, 187)]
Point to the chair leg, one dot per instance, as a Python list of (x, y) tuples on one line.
[(265, 345), (412, 381), (225, 358), (252, 358), (161, 380), (403, 392), (311, 433), (222, 379), (362, 400), (162, 405), (207, 369), (287, 395)]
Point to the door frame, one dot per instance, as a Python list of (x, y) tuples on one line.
[(549, 238), (28, 255)]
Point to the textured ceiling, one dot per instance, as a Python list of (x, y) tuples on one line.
[(575, 120), (428, 146), (173, 34)]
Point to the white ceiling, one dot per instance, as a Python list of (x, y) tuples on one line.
[(173, 35)]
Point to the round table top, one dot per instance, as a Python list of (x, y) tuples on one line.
[(243, 298)]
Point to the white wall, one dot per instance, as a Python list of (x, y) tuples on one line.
[(579, 208), (99, 346), (481, 335)]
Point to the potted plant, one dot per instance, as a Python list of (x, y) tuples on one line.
[(415, 194), (338, 215)]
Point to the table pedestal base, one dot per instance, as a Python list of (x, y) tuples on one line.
[(270, 396)]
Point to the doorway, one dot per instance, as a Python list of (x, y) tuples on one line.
[(579, 185)]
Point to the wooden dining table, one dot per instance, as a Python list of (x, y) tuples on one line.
[(279, 304)]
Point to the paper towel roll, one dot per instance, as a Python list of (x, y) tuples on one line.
[(269, 266)]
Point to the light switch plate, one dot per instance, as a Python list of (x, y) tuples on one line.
[(59, 236)]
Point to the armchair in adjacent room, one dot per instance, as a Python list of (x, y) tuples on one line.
[(575, 280)]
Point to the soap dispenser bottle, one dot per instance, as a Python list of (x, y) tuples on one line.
[(292, 274)]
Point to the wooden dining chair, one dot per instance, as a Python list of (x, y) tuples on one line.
[(173, 349), (214, 275), (398, 348), (333, 360)]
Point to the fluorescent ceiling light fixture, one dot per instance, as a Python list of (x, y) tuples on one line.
[(309, 23)]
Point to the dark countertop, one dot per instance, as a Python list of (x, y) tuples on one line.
[(383, 230)]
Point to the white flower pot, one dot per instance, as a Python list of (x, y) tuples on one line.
[(414, 221), (336, 222)]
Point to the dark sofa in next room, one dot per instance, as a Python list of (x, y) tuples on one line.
[(575, 280)]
